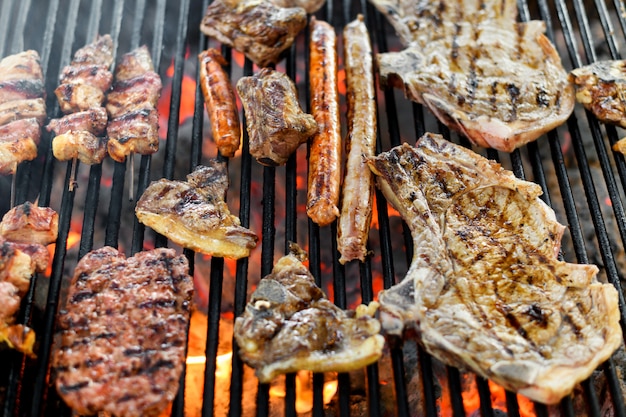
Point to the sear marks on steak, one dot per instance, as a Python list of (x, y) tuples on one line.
[(485, 290), (497, 81), (601, 89), (290, 325), (123, 332), (194, 213), (257, 28), (275, 121)]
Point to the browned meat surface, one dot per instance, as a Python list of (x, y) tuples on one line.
[(485, 290), (290, 325), (258, 29), (221, 105), (79, 136), (99, 52), (21, 66), (21, 90), (28, 223), (276, 124), (311, 6), (357, 192), (91, 120), (498, 81), (18, 143), (132, 107), (23, 109), (123, 332), (194, 213)]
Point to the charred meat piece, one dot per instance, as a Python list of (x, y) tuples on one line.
[(485, 290), (84, 82), (601, 88), (21, 90), (28, 223), (497, 81), (258, 29), (132, 107), (91, 120), (23, 109), (194, 213), (311, 6), (220, 102), (78, 136), (123, 332), (276, 124), (290, 325), (18, 143)]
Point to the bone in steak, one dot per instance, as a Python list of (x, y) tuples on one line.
[(276, 124), (290, 325), (498, 81), (194, 213), (123, 332), (485, 290), (257, 28)]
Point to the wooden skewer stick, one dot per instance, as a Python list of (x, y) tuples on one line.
[(73, 182), (131, 165), (13, 185)]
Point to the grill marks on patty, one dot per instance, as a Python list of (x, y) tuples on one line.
[(123, 332)]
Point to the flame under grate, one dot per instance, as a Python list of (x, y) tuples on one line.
[(570, 162)]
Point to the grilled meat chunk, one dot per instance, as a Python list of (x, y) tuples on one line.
[(311, 6), (21, 66), (257, 28), (91, 120), (14, 90), (220, 102), (601, 88), (23, 109), (123, 332), (485, 290), (497, 81), (28, 223), (290, 325), (80, 144), (132, 107), (194, 213), (18, 143), (276, 124)]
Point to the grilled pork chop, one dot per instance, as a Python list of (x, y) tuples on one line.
[(194, 213), (290, 325), (123, 332), (482, 73), (485, 290)]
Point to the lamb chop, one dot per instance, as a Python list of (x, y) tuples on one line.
[(485, 290), (290, 325), (258, 29), (194, 213), (495, 80), (123, 332), (276, 124)]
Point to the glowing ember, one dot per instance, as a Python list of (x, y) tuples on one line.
[(187, 100), (304, 391)]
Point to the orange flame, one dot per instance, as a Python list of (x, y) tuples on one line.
[(304, 391), (187, 100)]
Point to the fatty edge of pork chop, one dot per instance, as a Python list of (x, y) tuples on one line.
[(499, 82), (485, 290)]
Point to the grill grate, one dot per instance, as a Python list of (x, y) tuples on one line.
[(592, 28)]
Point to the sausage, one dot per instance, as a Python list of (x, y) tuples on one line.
[(358, 185), (219, 98), (325, 151)]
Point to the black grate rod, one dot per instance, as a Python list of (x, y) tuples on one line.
[(5, 18), (157, 37), (585, 32), (607, 27), (135, 36), (20, 25), (486, 409), (91, 208), (455, 388), (566, 25), (94, 20), (620, 12)]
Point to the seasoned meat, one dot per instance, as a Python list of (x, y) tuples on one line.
[(219, 98), (14, 90), (21, 66), (123, 332), (485, 290), (16, 336), (79, 144), (601, 88), (257, 28), (194, 213), (99, 52), (275, 121), (11, 111), (497, 81), (28, 223), (91, 120), (132, 107), (357, 196), (311, 6), (290, 325), (18, 143)]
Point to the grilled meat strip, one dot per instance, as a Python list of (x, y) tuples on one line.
[(194, 213), (497, 81), (358, 185), (28, 223), (601, 88), (23, 109), (123, 332), (275, 121), (485, 290), (324, 177), (311, 6), (18, 143), (257, 28), (220, 102), (132, 107), (290, 325)]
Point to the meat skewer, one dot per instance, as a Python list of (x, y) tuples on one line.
[(219, 98), (358, 185), (325, 151)]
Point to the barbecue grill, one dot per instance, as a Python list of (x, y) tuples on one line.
[(582, 179)]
